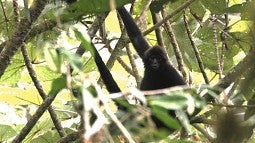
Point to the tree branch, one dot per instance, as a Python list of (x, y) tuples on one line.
[(177, 10), (40, 90), (176, 48), (33, 120), (198, 57), (20, 34)]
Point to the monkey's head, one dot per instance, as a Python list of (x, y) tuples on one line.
[(155, 58)]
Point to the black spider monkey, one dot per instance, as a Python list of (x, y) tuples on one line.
[(158, 72)]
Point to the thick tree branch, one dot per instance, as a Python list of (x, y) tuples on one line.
[(156, 18), (36, 29), (20, 34), (236, 73), (240, 69)]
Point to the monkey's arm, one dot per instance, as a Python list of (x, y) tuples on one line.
[(134, 33), (106, 75), (110, 83)]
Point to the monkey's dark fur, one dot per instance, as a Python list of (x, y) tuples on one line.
[(158, 72), (106, 75), (154, 78)]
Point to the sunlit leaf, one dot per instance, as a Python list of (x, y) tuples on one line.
[(53, 59), (48, 137), (85, 41), (6, 132), (246, 10)]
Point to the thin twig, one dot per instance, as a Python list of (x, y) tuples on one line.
[(176, 11), (233, 106), (133, 65), (223, 36), (216, 47), (198, 57), (150, 92), (200, 129), (175, 45), (122, 63), (141, 21)]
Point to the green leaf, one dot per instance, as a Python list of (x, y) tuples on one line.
[(163, 115), (215, 6), (12, 74), (197, 8), (83, 8), (174, 101), (43, 73), (85, 41), (57, 85), (74, 60), (246, 9), (48, 137), (96, 6), (157, 5), (6, 132), (53, 59)]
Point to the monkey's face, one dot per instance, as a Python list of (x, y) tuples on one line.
[(154, 62), (154, 59)]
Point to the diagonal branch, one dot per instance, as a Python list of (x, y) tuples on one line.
[(20, 34), (36, 29), (40, 90), (239, 69), (196, 51), (176, 11), (33, 120)]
